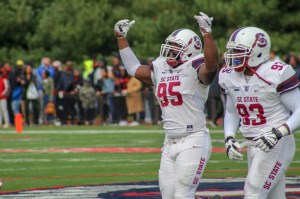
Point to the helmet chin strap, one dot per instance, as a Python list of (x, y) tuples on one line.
[(242, 68), (250, 68)]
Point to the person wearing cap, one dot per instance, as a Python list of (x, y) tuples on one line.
[(20, 63), (16, 87)]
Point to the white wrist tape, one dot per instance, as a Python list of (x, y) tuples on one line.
[(283, 130), (130, 61)]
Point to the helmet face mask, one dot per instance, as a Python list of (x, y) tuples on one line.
[(236, 57), (247, 47), (172, 51), (180, 46)]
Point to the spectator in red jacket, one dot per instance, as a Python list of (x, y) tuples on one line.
[(4, 94)]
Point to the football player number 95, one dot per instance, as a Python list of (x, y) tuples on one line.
[(244, 113), (164, 89)]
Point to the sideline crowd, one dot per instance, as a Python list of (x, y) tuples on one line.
[(99, 94)]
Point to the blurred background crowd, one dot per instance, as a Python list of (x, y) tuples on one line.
[(56, 93), (99, 92)]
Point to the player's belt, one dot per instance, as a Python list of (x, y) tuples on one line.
[(249, 138), (176, 140)]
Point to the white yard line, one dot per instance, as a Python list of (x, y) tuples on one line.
[(90, 131)]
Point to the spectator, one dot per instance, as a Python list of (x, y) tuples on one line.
[(116, 65), (74, 90), (48, 90), (107, 83), (292, 60), (4, 94), (148, 104), (6, 69), (216, 100), (87, 67), (117, 70), (274, 57), (134, 102), (57, 79), (149, 99), (16, 88), (57, 66), (119, 99), (214, 104), (65, 93), (95, 79), (96, 73), (8, 73), (87, 96), (46, 65), (31, 96)]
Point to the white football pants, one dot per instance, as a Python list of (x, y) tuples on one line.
[(266, 175), (182, 164)]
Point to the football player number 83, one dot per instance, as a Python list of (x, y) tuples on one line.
[(244, 113), (164, 90)]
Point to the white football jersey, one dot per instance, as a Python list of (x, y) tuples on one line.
[(257, 101), (181, 96)]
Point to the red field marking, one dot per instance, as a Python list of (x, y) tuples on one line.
[(96, 150), (84, 150), (81, 176)]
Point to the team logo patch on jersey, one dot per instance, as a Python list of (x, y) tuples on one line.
[(189, 128), (246, 88)]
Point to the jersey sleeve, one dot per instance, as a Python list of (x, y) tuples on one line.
[(288, 80), (222, 80), (197, 63)]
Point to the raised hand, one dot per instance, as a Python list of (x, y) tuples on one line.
[(122, 27), (204, 22)]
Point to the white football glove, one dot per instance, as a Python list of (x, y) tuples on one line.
[(232, 147), (204, 22), (267, 141), (123, 26)]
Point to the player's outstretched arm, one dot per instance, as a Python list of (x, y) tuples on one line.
[(207, 73), (130, 61)]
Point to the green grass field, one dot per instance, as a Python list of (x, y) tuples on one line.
[(33, 163)]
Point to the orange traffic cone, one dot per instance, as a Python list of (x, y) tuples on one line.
[(18, 123)]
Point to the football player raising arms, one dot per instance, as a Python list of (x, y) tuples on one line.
[(181, 76)]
